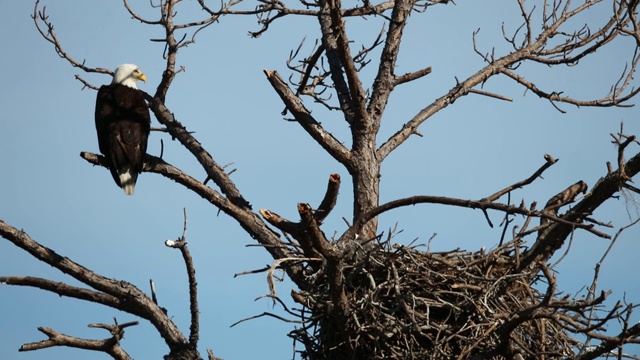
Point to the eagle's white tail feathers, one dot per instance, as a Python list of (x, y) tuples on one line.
[(127, 181)]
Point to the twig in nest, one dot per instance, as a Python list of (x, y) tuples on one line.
[(276, 264)]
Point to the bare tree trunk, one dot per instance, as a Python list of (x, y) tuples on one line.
[(366, 184)]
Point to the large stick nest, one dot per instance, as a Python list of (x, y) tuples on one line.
[(410, 304)]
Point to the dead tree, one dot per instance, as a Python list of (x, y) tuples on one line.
[(359, 295)]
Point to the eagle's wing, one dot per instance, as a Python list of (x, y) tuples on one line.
[(123, 125)]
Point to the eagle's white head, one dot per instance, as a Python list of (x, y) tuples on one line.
[(127, 75)]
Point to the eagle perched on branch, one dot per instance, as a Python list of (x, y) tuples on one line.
[(123, 124)]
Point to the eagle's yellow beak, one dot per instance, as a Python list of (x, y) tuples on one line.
[(142, 77)]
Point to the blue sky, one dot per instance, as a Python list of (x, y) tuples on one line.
[(470, 150)]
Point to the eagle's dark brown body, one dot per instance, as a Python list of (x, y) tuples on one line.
[(123, 124)]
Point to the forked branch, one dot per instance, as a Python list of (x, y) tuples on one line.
[(553, 238), (540, 48), (110, 345), (303, 116), (45, 28), (130, 298), (307, 231)]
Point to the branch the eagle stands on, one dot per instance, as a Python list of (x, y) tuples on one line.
[(359, 295)]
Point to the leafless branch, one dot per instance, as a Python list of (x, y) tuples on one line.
[(549, 162), (266, 314), (254, 225), (594, 283), (412, 76), (385, 79), (137, 302), (62, 289), (45, 28), (329, 200), (181, 243), (552, 238), (461, 89), (540, 50), (490, 94), (553, 97), (110, 345), (306, 120)]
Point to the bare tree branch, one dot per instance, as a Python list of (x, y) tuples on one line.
[(385, 79), (461, 89), (131, 298), (306, 120), (329, 200), (550, 161), (63, 289), (181, 243), (247, 219), (472, 204), (537, 50), (110, 346), (553, 238), (45, 28)]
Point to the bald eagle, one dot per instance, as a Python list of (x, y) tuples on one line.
[(123, 124)]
